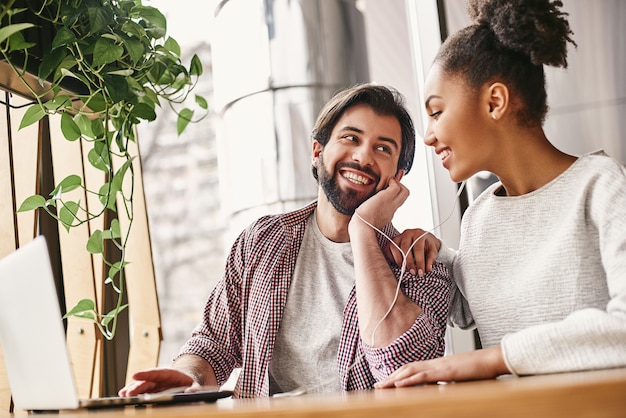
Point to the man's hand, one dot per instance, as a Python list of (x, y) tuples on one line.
[(420, 246), (474, 365), (379, 209), (189, 371), (157, 380)]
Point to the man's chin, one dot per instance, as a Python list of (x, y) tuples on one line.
[(341, 208)]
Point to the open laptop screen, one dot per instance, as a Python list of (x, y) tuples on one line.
[(32, 337)]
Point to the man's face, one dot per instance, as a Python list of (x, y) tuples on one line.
[(360, 157)]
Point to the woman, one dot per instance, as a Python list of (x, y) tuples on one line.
[(541, 266)]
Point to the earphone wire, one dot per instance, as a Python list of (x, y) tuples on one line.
[(405, 255), (303, 390)]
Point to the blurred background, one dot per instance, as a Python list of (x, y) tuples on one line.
[(269, 65)]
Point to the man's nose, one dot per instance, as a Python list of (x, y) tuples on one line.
[(363, 155)]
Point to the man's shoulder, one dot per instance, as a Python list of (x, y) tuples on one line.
[(280, 222), (287, 218)]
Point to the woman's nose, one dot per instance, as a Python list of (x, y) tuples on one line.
[(429, 136)]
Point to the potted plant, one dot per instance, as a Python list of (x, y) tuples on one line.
[(104, 66)]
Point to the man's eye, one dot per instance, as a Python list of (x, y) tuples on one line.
[(385, 149)]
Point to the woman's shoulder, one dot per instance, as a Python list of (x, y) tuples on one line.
[(601, 179), (600, 162)]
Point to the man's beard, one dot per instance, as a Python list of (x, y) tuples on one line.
[(344, 202)]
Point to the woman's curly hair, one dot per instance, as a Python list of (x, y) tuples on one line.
[(510, 41)]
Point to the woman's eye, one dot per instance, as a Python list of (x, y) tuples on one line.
[(351, 138), (435, 115)]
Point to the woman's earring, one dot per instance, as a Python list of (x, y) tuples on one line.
[(493, 116)]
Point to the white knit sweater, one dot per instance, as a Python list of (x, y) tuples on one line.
[(544, 274)]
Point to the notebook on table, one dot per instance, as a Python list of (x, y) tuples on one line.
[(32, 338)]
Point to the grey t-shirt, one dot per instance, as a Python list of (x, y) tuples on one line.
[(305, 351)]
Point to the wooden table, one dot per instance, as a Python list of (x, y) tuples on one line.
[(584, 394)]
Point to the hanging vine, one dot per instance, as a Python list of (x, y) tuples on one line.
[(122, 66)]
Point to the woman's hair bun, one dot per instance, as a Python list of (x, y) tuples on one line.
[(536, 28)]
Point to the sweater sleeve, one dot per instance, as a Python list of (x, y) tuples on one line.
[(460, 314)]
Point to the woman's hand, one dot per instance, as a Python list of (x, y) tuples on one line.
[(420, 256), (474, 365)]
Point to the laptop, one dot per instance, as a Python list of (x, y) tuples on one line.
[(32, 338)]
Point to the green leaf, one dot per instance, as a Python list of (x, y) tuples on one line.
[(9, 30), (124, 73), (144, 111), (99, 157), (151, 95), (133, 29), (68, 184), (32, 202), (50, 62), (116, 87), (84, 123), (63, 37), (172, 46), (202, 102), (180, 82), (85, 308), (70, 129), (115, 268), (105, 52), (135, 49), (57, 103), (97, 128), (99, 18), (157, 23), (108, 191), (113, 232), (115, 228), (18, 43), (195, 67), (184, 117), (112, 314), (118, 178), (156, 72), (67, 214), (32, 115), (68, 63), (96, 103), (95, 244)]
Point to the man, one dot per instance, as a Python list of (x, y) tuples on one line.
[(290, 310)]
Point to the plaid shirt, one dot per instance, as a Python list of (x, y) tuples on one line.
[(243, 312)]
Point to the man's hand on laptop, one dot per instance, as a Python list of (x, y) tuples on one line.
[(158, 380)]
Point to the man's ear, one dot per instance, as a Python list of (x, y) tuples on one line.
[(317, 150), (399, 175), (497, 96)]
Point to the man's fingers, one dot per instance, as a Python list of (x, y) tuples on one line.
[(137, 387)]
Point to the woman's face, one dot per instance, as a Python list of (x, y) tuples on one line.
[(458, 124)]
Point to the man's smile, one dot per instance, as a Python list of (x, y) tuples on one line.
[(355, 178)]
